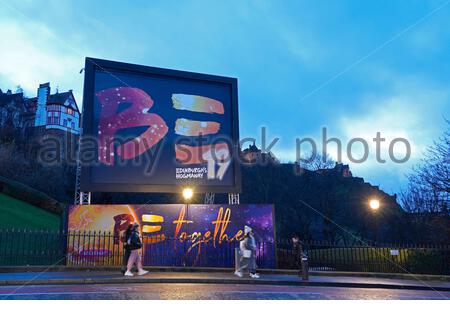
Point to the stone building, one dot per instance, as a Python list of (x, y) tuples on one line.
[(46, 115)]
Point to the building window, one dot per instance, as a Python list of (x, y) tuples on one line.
[(53, 117), (72, 125), (69, 111), (65, 122), (53, 108)]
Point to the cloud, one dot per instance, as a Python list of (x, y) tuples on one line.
[(302, 46), (31, 54), (403, 114), (408, 107), (430, 37)]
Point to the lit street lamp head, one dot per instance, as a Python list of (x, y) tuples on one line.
[(374, 204), (188, 193)]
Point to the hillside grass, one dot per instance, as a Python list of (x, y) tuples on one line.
[(29, 234), (18, 214)]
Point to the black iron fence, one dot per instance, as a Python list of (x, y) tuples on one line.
[(31, 247), (369, 257), (96, 249)]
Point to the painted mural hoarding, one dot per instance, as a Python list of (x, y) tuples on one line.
[(173, 234)]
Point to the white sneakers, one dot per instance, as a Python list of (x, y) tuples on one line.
[(140, 273), (252, 275)]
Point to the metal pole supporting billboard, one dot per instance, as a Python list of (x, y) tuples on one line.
[(209, 198), (233, 198), (80, 196)]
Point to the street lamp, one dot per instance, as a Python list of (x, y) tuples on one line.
[(187, 194), (374, 204)]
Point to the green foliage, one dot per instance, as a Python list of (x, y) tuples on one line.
[(19, 165), (371, 259), (320, 206), (423, 260), (30, 195)]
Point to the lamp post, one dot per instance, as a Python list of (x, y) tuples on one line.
[(374, 205), (188, 193)]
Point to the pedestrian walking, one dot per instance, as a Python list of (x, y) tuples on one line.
[(247, 254), (297, 251), (134, 245), (126, 247)]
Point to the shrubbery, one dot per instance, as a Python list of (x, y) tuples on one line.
[(32, 196), (428, 261)]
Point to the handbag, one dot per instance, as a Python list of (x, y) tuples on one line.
[(247, 253)]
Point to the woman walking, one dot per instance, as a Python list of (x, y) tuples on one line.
[(248, 254), (126, 247), (134, 244)]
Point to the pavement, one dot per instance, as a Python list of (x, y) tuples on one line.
[(223, 277)]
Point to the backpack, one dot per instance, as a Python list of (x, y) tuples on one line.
[(134, 241)]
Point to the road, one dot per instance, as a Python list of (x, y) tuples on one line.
[(207, 292)]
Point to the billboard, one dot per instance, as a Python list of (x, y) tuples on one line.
[(149, 129), (173, 234)]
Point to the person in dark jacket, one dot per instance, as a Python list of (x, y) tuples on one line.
[(297, 251), (127, 251), (134, 245)]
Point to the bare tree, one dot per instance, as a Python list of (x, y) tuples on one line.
[(428, 187), (317, 162)]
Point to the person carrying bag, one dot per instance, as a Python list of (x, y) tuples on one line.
[(248, 254), (134, 244)]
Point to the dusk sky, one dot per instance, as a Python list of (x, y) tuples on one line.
[(354, 67)]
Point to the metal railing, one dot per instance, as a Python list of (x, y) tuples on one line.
[(31, 247), (96, 249), (368, 257)]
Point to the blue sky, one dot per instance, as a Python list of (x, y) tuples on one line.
[(354, 67)]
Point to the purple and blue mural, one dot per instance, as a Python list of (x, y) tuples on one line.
[(175, 234)]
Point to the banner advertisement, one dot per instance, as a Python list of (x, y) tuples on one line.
[(173, 234), (149, 129)]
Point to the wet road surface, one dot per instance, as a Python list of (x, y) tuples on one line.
[(208, 292)]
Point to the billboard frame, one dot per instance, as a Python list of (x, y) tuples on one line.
[(91, 64)]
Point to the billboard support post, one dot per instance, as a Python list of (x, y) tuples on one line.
[(233, 198), (209, 198), (81, 197)]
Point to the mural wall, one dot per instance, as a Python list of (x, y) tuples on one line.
[(173, 234)]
